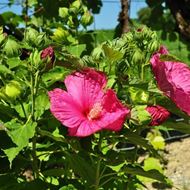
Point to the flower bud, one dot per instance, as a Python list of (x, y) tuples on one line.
[(13, 89), (153, 46), (48, 52), (86, 19), (63, 12), (158, 114), (137, 56), (75, 7)]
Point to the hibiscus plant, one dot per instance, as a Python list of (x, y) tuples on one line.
[(77, 120)]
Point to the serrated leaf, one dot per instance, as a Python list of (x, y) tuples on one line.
[(20, 135), (11, 153), (41, 104), (54, 75), (77, 49)]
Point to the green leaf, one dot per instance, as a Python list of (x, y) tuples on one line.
[(4, 69), (169, 57), (152, 163), (12, 153), (41, 104), (156, 139), (82, 167), (55, 135), (32, 2), (54, 172), (112, 54), (140, 115), (12, 48), (68, 187), (77, 49), (179, 126), (138, 140), (20, 135), (56, 74), (14, 62), (153, 174)]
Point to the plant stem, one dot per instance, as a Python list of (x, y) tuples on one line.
[(35, 158), (34, 87), (97, 175)]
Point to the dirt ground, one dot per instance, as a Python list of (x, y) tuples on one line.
[(178, 165)]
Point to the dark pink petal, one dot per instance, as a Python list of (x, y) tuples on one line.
[(86, 108), (65, 109), (86, 128), (48, 52), (163, 50), (114, 113), (158, 113), (173, 79), (86, 87)]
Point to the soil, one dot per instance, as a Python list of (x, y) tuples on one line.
[(178, 165)]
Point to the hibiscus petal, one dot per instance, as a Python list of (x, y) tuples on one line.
[(65, 109), (86, 128), (86, 87), (114, 113), (173, 79)]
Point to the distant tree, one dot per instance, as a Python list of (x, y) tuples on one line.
[(180, 10), (167, 15)]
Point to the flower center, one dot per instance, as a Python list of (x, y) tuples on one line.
[(95, 112)]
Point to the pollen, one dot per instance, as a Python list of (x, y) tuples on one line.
[(95, 112)]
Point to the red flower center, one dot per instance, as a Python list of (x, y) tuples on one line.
[(95, 111)]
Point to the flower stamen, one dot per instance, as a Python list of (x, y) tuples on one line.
[(95, 112)]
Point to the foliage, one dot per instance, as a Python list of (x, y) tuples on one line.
[(35, 143), (36, 151)]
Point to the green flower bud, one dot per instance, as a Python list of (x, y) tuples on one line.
[(13, 89), (138, 96), (86, 19), (63, 12), (140, 116), (75, 7), (153, 46), (137, 56), (60, 34), (70, 22)]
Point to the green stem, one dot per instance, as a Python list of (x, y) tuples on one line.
[(142, 72), (97, 175), (34, 88), (23, 109), (35, 158)]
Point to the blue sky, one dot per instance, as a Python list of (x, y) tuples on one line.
[(107, 19)]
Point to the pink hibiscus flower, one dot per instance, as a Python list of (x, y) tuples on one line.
[(158, 114), (87, 107), (173, 78)]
